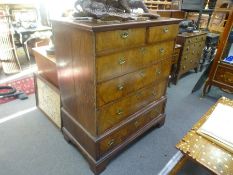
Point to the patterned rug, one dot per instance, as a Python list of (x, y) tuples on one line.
[(25, 84)]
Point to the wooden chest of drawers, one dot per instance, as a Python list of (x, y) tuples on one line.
[(192, 48), (113, 80)]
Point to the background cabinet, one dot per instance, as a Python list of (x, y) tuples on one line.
[(191, 53)]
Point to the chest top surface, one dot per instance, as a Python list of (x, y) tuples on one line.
[(193, 34), (98, 26)]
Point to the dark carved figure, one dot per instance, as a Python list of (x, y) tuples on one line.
[(111, 9)]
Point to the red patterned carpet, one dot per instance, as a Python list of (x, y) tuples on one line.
[(25, 84)]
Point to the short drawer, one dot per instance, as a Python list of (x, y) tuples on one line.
[(120, 39), (114, 65), (162, 33), (110, 115), (129, 129), (121, 86), (224, 75), (195, 39)]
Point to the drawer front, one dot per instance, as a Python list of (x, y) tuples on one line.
[(120, 39), (224, 75), (162, 33), (114, 65), (121, 86), (188, 65), (195, 39), (121, 135), (189, 48), (194, 49), (112, 114)]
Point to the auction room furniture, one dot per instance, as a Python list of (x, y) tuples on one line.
[(221, 73), (113, 79), (210, 49), (175, 58), (29, 36), (199, 6), (8, 55), (46, 83), (170, 13), (190, 56), (204, 151), (158, 4)]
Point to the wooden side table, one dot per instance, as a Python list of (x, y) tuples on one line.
[(46, 85), (203, 151)]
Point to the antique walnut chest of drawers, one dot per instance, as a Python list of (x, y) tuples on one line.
[(113, 79), (191, 52)]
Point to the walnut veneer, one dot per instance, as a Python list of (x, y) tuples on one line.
[(113, 79)]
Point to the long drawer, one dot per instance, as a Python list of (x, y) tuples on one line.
[(121, 86), (117, 64), (110, 115), (120, 39), (122, 134)]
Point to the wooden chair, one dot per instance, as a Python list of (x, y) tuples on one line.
[(8, 56)]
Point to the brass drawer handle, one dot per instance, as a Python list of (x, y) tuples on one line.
[(165, 30), (122, 61), (142, 73), (124, 34), (136, 124), (143, 50), (139, 94), (154, 93), (162, 50), (120, 87), (119, 112), (111, 142), (158, 72)]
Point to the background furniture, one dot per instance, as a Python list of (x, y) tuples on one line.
[(170, 13), (175, 58), (195, 6), (113, 79), (221, 73), (157, 4), (46, 85), (210, 49), (192, 48), (220, 16), (8, 55), (203, 151)]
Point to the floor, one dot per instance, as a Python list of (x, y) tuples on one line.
[(31, 144)]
